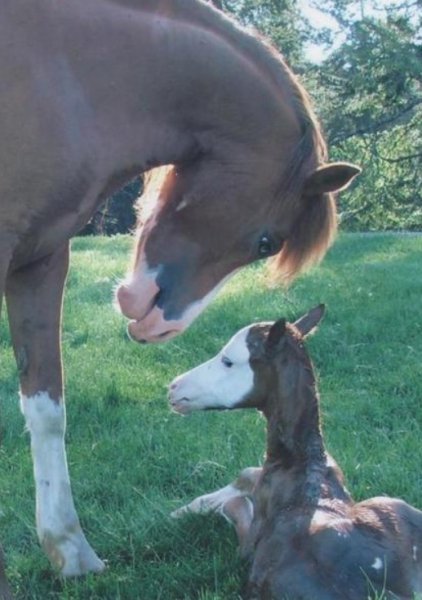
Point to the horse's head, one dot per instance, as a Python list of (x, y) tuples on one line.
[(207, 221)]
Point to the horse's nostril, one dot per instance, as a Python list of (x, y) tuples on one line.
[(133, 338), (159, 298)]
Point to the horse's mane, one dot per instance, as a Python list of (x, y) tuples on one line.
[(316, 222)]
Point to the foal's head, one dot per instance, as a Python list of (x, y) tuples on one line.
[(259, 362)]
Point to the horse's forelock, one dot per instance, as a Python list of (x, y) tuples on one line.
[(153, 184), (315, 223), (154, 180), (312, 234)]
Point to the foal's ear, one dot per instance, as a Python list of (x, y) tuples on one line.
[(330, 178), (275, 334), (309, 322)]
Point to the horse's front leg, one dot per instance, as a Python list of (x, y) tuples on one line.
[(34, 301), (5, 591)]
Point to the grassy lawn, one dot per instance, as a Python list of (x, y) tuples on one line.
[(132, 461)]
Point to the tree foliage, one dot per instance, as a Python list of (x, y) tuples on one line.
[(278, 20), (369, 93)]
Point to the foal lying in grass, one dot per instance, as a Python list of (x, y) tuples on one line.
[(305, 536)]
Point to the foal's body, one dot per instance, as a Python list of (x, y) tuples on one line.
[(306, 537)]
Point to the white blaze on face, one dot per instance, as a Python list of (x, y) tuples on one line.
[(154, 327), (136, 293), (222, 382)]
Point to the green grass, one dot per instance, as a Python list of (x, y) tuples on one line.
[(132, 461)]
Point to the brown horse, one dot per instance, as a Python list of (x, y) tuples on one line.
[(294, 517), (95, 92)]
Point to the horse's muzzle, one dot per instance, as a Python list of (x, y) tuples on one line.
[(154, 327)]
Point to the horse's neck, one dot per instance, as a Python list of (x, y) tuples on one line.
[(162, 86)]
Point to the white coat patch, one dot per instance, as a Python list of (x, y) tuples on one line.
[(377, 564)]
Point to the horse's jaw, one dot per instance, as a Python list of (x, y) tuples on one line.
[(138, 299), (154, 327)]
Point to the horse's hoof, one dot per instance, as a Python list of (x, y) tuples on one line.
[(72, 555)]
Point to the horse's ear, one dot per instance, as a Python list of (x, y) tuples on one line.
[(275, 334), (330, 178), (309, 322)]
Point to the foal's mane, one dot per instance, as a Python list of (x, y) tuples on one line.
[(315, 223)]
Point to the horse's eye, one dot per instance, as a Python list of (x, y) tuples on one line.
[(226, 361), (265, 247)]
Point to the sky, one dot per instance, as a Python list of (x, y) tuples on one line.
[(321, 20)]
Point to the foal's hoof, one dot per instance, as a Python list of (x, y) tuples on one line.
[(179, 512)]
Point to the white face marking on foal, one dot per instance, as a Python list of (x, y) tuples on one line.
[(222, 382), (415, 553), (377, 564)]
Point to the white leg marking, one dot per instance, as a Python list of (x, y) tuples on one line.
[(58, 525)]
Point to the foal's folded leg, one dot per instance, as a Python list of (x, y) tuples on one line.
[(34, 299), (233, 502)]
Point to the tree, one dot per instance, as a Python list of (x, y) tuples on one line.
[(117, 213), (278, 20), (369, 93)]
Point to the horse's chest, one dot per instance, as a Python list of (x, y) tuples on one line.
[(50, 225)]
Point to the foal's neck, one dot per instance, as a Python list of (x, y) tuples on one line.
[(294, 439)]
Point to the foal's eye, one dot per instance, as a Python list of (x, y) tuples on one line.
[(226, 361), (265, 247)]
